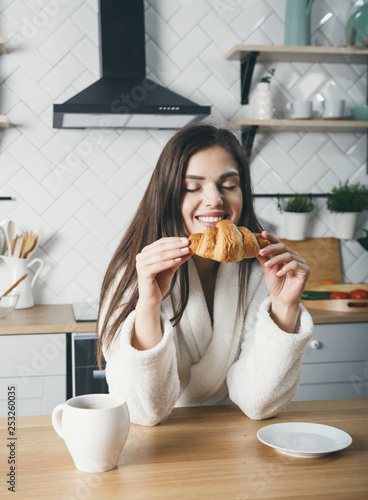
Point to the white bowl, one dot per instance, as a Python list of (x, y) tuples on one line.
[(8, 303)]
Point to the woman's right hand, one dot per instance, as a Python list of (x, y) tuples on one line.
[(156, 266)]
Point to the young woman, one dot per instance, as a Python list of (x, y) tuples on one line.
[(177, 329)]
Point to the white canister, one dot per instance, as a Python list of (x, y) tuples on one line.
[(296, 225), (11, 269), (262, 102), (345, 223)]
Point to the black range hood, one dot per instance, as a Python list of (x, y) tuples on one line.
[(124, 97)]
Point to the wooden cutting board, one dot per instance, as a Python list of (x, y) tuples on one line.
[(322, 256)]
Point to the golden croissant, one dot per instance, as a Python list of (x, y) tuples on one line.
[(227, 243)]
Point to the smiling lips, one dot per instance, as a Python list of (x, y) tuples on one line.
[(210, 220)]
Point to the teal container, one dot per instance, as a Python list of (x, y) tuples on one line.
[(297, 22), (358, 22)]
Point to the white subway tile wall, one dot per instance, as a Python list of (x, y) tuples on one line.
[(83, 186)]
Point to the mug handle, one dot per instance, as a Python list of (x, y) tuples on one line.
[(38, 270), (56, 419)]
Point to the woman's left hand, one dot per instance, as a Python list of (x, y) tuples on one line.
[(286, 274)]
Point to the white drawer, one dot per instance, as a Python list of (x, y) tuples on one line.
[(39, 398), (320, 392), (340, 342), (32, 355), (25, 388), (349, 371)]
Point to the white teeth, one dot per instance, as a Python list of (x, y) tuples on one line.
[(210, 219)]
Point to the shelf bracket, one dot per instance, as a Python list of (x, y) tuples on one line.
[(248, 134), (246, 73)]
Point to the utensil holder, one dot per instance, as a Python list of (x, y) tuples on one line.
[(12, 269)]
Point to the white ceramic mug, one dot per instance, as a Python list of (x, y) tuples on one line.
[(333, 108), (95, 428), (301, 110)]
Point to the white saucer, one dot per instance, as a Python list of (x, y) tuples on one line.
[(300, 439)]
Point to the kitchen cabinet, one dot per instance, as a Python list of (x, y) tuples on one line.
[(250, 54), (36, 366), (335, 363), (35, 357)]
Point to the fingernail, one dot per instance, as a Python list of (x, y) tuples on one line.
[(263, 251), (279, 273), (178, 259), (268, 263), (184, 240), (185, 249)]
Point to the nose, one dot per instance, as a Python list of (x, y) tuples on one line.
[(213, 197)]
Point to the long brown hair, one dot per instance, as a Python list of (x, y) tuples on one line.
[(159, 215)]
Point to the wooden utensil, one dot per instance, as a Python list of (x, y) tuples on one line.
[(18, 247), (13, 243), (13, 286), (32, 248), (27, 245), (25, 237), (10, 237), (40, 233)]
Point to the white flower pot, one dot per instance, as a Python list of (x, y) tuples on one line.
[(262, 102), (296, 225), (345, 223)]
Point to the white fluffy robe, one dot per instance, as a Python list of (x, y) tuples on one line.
[(247, 359)]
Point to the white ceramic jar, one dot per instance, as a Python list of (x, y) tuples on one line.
[(345, 224), (296, 225), (262, 102)]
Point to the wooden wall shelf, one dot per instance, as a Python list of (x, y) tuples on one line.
[(279, 125), (249, 55), (290, 53)]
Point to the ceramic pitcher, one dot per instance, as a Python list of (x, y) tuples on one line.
[(297, 22), (11, 269)]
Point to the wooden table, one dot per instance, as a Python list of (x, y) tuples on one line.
[(197, 453)]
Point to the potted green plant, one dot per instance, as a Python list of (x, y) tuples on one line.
[(267, 78), (297, 210), (346, 201)]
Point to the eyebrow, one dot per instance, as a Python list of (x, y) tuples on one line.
[(223, 176)]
